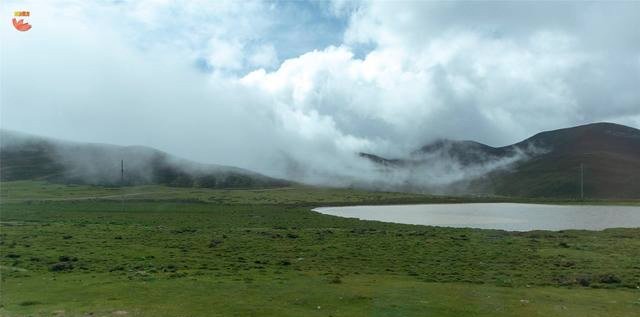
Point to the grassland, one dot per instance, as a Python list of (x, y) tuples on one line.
[(74, 251)]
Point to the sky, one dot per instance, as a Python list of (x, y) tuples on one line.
[(297, 89)]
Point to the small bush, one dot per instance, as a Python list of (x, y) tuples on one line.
[(184, 230), (214, 243), (170, 268), (335, 280), (584, 281), (61, 266), (609, 279), (117, 268), (66, 258)]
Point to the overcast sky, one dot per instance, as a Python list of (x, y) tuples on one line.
[(271, 85)]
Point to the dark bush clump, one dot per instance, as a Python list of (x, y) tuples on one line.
[(584, 281), (609, 279), (214, 243), (66, 258), (61, 266), (117, 268), (170, 268), (184, 230)]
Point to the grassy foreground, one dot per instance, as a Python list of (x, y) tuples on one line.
[(73, 251)]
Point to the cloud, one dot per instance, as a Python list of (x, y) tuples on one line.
[(264, 56), (289, 90), (225, 55)]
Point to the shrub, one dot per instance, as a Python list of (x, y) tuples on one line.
[(609, 279), (584, 281), (170, 268), (117, 268), (66, 258), (61, 266), (214, 243)]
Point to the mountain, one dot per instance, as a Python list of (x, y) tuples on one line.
[(27, 157), (609, 153), (544, 165), (466, 152)]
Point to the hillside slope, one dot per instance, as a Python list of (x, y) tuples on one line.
[(27, 157), (544, 165), (609, 153)]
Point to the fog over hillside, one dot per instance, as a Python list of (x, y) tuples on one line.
[(297, 90), (599, 160), (24, 156), (436, 169)]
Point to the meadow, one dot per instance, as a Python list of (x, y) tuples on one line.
[(80, 251)]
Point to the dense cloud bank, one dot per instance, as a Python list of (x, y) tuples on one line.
[(298, 90)]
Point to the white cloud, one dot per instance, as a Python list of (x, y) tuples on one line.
[(225, 55), (264, 56)]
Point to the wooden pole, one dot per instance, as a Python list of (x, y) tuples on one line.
[(122, 181), (581, 181)]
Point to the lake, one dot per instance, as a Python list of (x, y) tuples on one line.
[(504, 216)]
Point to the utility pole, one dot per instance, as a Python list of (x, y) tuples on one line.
[(122, 182), (581, 181)]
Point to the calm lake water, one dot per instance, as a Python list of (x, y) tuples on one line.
[(505, 216)]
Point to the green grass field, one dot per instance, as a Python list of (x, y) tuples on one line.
[(74, 251)]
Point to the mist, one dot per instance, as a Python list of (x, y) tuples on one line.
[(225, 83), (29, 157)]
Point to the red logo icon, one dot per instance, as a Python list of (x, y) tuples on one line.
[(20, 25)]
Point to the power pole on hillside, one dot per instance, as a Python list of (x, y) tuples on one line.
[(122, 181), (581, 181)]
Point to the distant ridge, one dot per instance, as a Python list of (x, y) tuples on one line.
[(28, 157), (551, 167)]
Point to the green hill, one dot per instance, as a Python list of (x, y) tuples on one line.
[(27, 157), (544, 165), (609, 153)]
